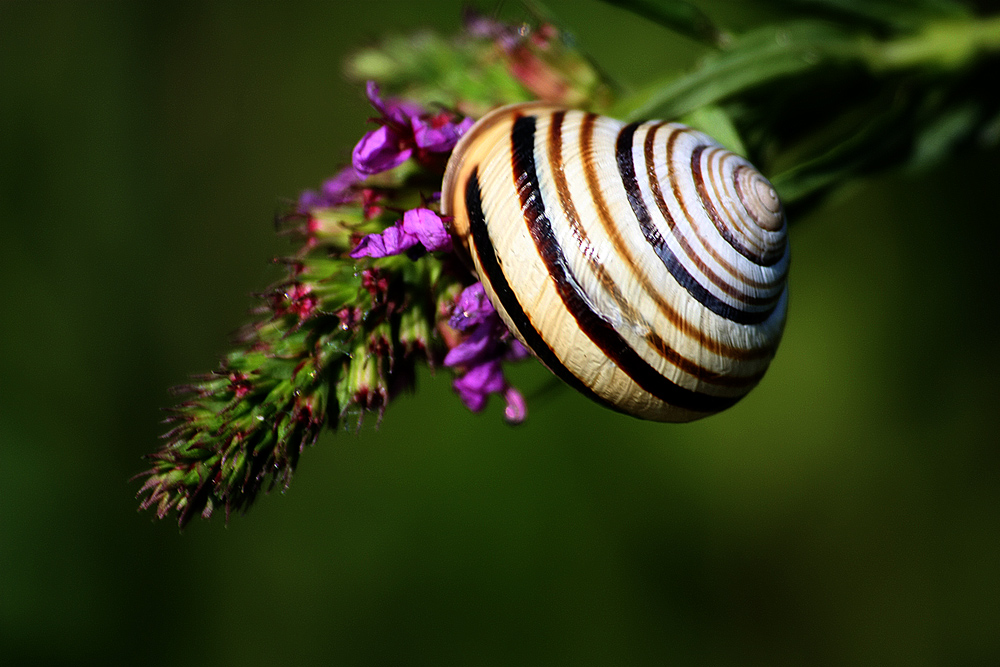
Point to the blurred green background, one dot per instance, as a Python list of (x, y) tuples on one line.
[(847, 512)]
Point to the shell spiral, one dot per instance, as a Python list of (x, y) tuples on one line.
[(642, 263)]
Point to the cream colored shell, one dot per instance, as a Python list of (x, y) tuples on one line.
[(644, 264)]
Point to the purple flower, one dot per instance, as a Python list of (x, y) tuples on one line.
[(419, 225), (407, 130), (428, 228), (397, 110), (479, 354), (334, 192), (380, 150), (481, 25), (479, 347), (517, 407), (475, 386), (392, 241), (439, 133), (471, 308), (390, 145)]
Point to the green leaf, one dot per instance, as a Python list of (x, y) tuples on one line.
[(939, 138), (989, 132), (898, 14), (429, 69), (679, 16), (757, 57), (945, 45), (715, 122), (873, 143)]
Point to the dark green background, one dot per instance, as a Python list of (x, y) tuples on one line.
[(847, 512)]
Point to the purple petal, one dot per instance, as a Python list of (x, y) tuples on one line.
[(479, 347), (310, 199), (438, 139), (480, 25), (419, 225), (516, 352), (474, 400), (379, 150), (471, 308), (339, 186), (402, 111), (371, 90), (487, 378), (428, 228), (392, 241), (335, 191), (477, 383), (394, 109), (517, 407)]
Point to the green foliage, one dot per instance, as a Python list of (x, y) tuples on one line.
[(681, 17), (887, 14), (837, 89), (333, 341), (429, 69), (829, 92), (483, 68)]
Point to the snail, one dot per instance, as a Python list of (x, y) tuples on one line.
[(643, 264)]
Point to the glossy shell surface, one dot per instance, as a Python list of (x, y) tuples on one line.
[(642, 263)]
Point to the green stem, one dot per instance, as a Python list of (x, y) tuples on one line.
[(947, 44)]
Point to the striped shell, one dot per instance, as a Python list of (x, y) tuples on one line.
[(643, 264)]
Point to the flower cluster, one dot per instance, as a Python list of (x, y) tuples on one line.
[(484, 342), (406, 131), (418, 226), (487, 343), (336, 191), (374, 289)]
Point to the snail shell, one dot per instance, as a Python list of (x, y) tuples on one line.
[(642, 263)]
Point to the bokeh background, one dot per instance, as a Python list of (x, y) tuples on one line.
[(847, 512)]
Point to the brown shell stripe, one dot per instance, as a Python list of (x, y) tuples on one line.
[(689, 252), (679, 198), (629, 313), (742, 195), (714, 162), (692, 330), (710, 184), (769, 259), (482, 246), (654, 182), (595, 327), (626, 167)]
